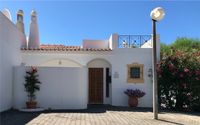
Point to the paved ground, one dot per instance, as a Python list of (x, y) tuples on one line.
[(99, 115)]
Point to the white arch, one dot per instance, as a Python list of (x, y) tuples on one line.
[(60, 62), (98, 62)]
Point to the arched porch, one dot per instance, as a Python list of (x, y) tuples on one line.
[(99, 81)]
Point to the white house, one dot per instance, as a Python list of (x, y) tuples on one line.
[(97, 72)]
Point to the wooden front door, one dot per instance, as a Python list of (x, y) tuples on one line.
[(95, 85)]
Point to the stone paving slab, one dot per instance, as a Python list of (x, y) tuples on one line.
[(114, 118), (99, 116)]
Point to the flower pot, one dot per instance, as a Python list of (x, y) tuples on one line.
[(31, 104), (133, 101)]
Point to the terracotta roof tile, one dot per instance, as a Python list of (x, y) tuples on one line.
[(63, 48)]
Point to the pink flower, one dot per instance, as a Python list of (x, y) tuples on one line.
[(181, 75), (189, 94), (158, 69), (184, 85), (197, 78), (190, 74), (173, 73), (186, 70), (171, 66), (197, 72), (34, 69)]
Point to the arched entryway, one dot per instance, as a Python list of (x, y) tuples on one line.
[(99, 81)]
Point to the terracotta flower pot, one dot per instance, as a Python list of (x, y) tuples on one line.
[(31, 104), (133, 101)]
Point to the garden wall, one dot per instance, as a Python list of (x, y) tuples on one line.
[(61, 88)]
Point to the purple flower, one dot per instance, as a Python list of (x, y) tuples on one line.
[(137, 93)]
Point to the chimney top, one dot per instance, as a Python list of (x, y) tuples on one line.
[(33, 13), (20, 12)]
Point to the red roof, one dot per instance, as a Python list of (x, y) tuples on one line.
[(63, 48)]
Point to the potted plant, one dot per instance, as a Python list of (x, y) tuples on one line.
[(133, 95), (31, 86)]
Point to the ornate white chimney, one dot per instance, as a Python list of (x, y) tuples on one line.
[(20, 22), (33, 41), (20, 26)]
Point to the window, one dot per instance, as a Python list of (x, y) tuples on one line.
[(135, 73)]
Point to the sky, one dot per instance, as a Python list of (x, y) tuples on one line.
[(69, 22)]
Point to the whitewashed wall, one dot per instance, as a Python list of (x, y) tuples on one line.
[(10, 55), (118, 58), (119, 84), (113, 41), (61, 88), (60, 63)]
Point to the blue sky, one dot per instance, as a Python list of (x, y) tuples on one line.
[(68, 22)]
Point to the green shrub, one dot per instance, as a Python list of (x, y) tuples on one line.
[(179, 80)]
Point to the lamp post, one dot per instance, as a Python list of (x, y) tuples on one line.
[(157, 14)]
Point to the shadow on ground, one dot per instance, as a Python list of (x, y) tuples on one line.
[(176, 123), (14, 117), (101, 109)]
